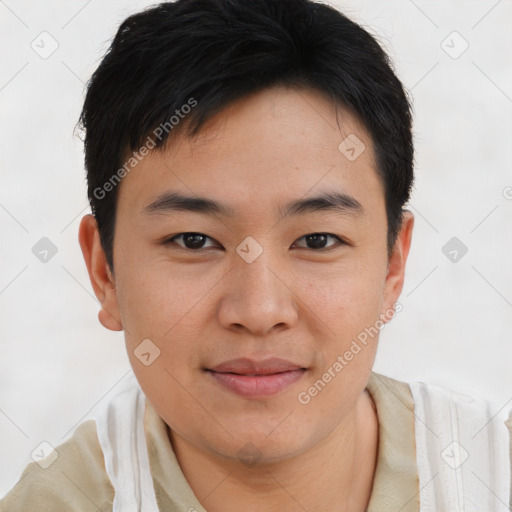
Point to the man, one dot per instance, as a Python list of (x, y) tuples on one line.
[(248, 165)]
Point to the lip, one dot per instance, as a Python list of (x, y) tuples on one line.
[(255, 379)]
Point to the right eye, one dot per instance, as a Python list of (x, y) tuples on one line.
[(192, 241)]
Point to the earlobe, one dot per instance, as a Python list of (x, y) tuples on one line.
[(397, 261), (108, 321), (101, 278)]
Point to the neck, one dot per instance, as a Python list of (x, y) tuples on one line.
[(335, 474)]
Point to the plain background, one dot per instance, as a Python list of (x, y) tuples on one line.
[(57, 362)]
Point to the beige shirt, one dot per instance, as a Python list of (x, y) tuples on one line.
[(77, 480)]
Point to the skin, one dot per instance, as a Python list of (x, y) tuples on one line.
[(302, 304)]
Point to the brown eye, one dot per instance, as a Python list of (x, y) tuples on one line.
[(318, 241), (191, 241)]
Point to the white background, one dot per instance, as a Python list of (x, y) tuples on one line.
[(57, 362)]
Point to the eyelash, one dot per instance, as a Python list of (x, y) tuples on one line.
[(339, 241)]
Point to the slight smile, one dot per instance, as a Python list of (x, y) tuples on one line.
[(256, 379)]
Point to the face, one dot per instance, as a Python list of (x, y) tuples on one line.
[(251, 294)]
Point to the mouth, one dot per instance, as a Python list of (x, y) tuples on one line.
[(256, 379)]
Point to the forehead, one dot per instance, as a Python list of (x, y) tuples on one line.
[(267, 148)]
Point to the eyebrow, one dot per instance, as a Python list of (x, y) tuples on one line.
[(170, 202)]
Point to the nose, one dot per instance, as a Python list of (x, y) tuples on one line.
[(257, 298)]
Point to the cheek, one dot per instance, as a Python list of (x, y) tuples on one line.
[(169, 306), (347, 308), (155, 296), (346, 299)]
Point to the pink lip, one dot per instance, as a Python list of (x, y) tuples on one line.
[(255, 379)]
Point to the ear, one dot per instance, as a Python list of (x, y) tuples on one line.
[(396, 265), (102, 280)]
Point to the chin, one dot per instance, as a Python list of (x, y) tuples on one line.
[(265, 445)]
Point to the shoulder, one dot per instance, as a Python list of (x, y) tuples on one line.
[(72, 478), (396, 414), (462, 443), (389, 393)]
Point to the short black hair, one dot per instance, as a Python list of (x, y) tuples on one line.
[(205, 54)]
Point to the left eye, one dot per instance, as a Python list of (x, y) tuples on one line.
[(318, 241)]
